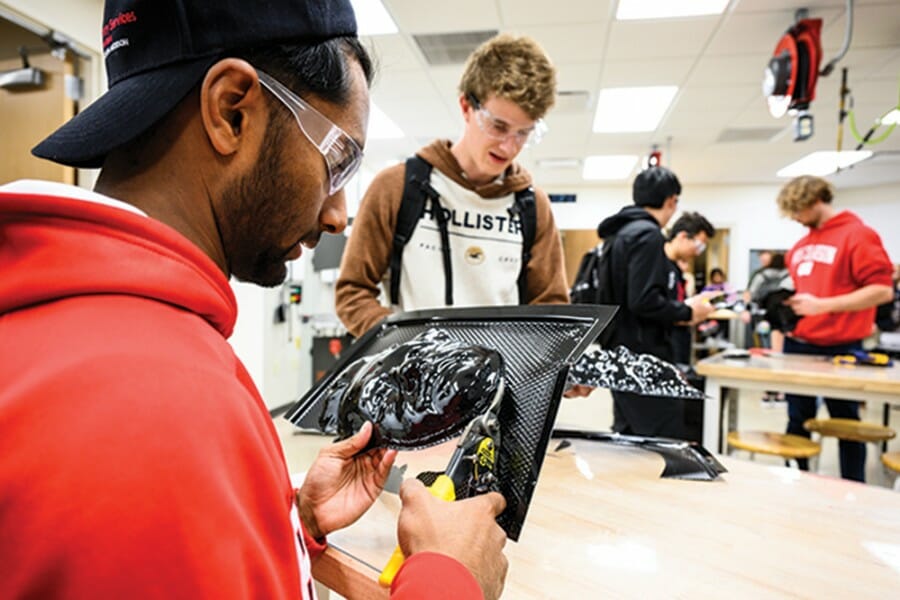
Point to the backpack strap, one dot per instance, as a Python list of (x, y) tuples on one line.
[(412, 203), (416, 189), (524, 208), (441, 217)]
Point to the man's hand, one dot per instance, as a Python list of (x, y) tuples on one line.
[(340, 486), (465, 530), (576, 390), (807, 304), (700, 307)]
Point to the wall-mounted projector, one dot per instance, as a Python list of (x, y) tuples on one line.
[(21, 79)]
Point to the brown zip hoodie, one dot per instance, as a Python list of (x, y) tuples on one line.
[(366, 259)]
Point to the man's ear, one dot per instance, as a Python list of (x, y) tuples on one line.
[(464, 106), (232, 106)]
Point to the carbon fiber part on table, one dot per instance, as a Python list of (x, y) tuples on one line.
[(538, 345)]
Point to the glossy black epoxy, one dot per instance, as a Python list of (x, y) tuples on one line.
[(622, 370), (417, 394)]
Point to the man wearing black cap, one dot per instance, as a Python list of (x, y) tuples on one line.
[(226, 136)]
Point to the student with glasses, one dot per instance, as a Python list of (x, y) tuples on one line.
[(686, 240), (507, 87), (139, 460), (641, 273)]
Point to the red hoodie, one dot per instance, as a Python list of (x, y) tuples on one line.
[(839, 257), (138, 459)]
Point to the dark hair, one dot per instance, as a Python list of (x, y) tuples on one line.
[(321, 69), (777, 261), (716, 270), (692, 223), (652, 186)]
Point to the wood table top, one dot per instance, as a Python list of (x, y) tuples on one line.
[(602, 523), (804, 370)]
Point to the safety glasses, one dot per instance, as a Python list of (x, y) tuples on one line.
[(498, 129), (341, 153)]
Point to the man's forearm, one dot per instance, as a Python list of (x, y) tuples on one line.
[(861, 299)]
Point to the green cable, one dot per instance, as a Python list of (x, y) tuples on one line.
[(863, 139)]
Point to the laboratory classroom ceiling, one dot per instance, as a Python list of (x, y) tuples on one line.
[(717, 129)]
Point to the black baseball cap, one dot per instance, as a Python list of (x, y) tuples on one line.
[(156, 51)]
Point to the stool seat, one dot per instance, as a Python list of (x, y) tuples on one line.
[(892, 461), (850, 429), (779, 444)]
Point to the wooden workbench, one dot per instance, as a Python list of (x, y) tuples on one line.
[(794, 373), (602, 524)]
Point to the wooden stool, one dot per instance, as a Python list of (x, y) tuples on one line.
[(892, 461), (784, 445), (850, 429)]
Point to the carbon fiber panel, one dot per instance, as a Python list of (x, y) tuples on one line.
[(538, 344)]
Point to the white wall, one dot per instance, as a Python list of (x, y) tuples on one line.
[(80, 20), (748, 211), (272, 352)]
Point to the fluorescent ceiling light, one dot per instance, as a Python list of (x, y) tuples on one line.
[(823, 162), (666, 9), (558, 163), (611, 166), (372, 18), (381, 127), (632, 108), (892, 118)]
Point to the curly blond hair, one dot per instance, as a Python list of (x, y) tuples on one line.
[(515, 68), (802, 192)]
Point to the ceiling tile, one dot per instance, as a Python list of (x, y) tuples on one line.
[(756, 33), (669, 38), (880, 28), (412, 16), (699, 98), (726, 71), (574, 43), (660, 71), (393, 52), (517, 13)]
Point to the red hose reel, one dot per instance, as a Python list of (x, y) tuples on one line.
[(790, 78)]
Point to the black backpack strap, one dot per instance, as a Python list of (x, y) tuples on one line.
[(416, 177), (438, 212), (524, 208)]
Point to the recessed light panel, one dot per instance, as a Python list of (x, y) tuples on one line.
[(667, 9), (823, 162), (608, 167), (632, 108)]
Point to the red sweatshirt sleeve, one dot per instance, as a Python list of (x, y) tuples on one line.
[(869, 260), (436, 577), (314, 546)]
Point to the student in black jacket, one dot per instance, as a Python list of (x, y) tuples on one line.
[(647, 315)]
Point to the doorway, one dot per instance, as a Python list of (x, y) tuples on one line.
[(30, 110)]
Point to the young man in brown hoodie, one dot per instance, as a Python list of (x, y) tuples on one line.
[(508, 85)]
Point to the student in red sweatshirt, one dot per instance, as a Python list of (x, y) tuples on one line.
[(138, 459), (841, 273)]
